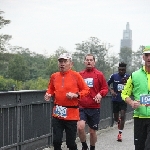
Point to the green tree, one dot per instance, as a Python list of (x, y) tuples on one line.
[(4, 38), (4, 43), (136, 58), (6, 84), (113, 63), (52, 65), (95, 47), (36, 62), (78, 61), (60, 51), (18, 69), (39, 84)]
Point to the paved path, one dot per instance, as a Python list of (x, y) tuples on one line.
[(107, 139)]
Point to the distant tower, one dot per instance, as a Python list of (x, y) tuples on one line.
[(127, 37)]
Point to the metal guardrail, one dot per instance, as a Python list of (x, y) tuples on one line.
[(25, 119)]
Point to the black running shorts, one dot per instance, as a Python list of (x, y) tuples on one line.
[(91, 116)]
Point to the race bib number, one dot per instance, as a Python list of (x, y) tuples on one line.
[(120, 87), (145, 99), (60, 111), (89, 82)]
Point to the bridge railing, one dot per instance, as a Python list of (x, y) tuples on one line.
[(25, 119)]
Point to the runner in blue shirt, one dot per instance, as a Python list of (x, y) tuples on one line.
[(118, 81)]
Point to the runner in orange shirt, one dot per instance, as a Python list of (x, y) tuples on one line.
[(66, 86)]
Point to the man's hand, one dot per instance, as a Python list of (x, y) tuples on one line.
[(47, 97), (134, 104), (71, 95), (98, 98), (113, 93)]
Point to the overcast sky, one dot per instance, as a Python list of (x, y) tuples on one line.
[(45, 25)]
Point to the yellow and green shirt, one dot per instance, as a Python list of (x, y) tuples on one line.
[(138, 84)]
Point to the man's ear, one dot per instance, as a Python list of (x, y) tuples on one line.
[(71, 64), (143, 58)]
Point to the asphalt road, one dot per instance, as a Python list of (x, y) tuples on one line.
[(107, 139)]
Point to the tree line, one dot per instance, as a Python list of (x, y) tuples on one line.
[(21, 69)]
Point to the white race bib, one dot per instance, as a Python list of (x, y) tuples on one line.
[(89, 82), (60, 111), (120, 87), (145, 99)]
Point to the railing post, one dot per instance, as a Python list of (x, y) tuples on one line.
[(18, 98)]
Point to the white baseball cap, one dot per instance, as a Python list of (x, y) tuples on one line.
[(65, 56), (146, 49)]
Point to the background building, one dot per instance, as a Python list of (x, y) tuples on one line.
[(127, 38)]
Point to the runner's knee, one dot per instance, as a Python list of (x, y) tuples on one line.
[(81, 125)]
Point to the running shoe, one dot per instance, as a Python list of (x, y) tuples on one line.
[(119, 138)]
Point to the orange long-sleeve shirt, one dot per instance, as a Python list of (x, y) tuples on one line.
[(59, 85)]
